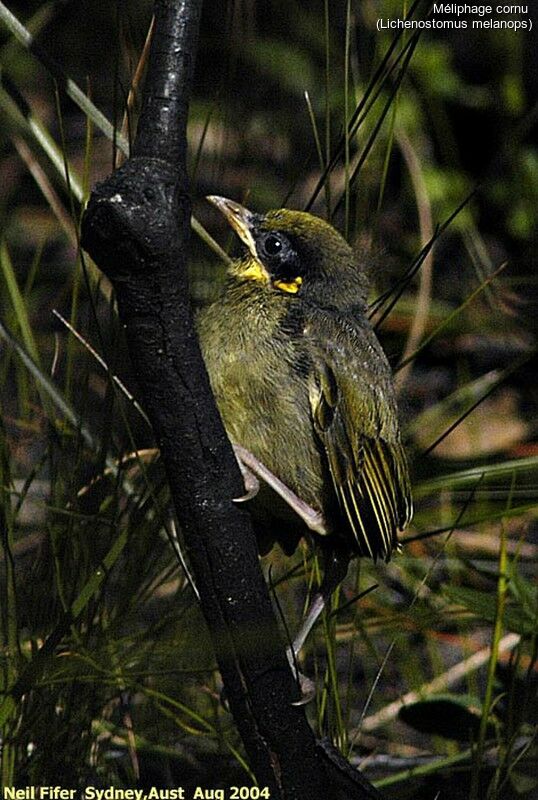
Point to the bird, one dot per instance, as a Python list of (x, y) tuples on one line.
[(306, 393)]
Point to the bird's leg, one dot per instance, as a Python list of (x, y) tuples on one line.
[(314, 611), (336, 564), (313, 519), (336, 558)]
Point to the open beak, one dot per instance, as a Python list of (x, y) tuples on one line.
[(239, 217)]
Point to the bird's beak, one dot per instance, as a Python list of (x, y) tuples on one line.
[(239, 217), (242, 221)]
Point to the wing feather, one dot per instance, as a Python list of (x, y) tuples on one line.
[(355, 415)]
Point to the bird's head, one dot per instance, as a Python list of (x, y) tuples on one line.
[(295, 254)]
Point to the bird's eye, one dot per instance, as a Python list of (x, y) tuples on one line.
[(272, 245)]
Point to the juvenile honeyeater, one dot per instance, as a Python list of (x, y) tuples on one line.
[(302, 382)]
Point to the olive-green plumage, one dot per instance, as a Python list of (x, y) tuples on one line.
[(301, 381)]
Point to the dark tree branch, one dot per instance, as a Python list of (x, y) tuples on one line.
[(162, 127), (136, 228)]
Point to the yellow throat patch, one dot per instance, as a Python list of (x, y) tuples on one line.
[(251, 270)]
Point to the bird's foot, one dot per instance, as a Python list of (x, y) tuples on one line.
[(252, 484), (313, 519), (306, 685)]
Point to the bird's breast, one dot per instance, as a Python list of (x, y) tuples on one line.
[(258, 375)]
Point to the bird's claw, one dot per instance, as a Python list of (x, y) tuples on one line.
[(308, 690), (307, 686), (251, 492), (252, 484)]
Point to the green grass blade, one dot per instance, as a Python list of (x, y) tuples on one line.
[(18, 303), (461, 479), (73, 91)]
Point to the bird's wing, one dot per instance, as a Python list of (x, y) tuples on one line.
[(355, 416)]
